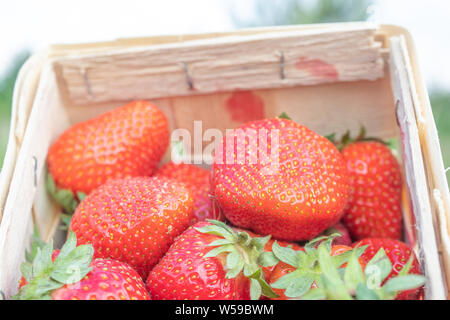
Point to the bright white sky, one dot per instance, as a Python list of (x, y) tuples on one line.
[(36, 24)]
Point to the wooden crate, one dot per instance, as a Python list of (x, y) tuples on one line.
[(329, 77)]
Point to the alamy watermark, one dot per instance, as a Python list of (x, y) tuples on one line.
[(250, 146)]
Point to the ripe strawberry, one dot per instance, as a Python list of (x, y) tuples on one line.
[(210, 260), (70, 274), (343, 238), (133, 220), (196, 179), (399, 254), (374, 208), (294, 198), (125, 142)]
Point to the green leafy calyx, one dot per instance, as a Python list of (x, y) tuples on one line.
[(44, 275), (354, 283), (65, 197), (244, 255), (346, 138), (308, 269)]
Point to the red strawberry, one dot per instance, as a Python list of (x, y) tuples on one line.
[(196, 179), (70, 274), (124, 142), (399, 254), (294, 199), (133, 220), (210, 260), (344, 238), (374, 209)]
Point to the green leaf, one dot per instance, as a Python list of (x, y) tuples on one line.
[(66, 199), (26, 270), (216, 251), (255, 289), (284, 115), (221, 225), (43, 259), (364, 293), (327, 265), (75, 266), (260, 242), (377, 269), (50, 184), (407, 282), (81, 196), (220, 242), (330, 277), (250, 269), (285, 254), (331, 137), (66, 219), (299, 286), (353, 273), (46, 285), (68, 246), (342, 258), (336, 290), (233, 259), (314, 294), (215, 230), (286, 280), (266, 289), (232, 273), (267, 259), (407, 266), (36, 243)]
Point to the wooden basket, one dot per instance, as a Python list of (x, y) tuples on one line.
[(329, 77)]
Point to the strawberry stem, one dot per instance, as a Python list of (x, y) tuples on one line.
[(244, 255)]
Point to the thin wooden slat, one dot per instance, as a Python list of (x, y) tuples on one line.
[(272, 60), (415, 173), (16, 227)]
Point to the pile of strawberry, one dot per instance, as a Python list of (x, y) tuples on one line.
[(242, 230)]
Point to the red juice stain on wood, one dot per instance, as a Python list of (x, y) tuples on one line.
[(245, 106), (318, 68)]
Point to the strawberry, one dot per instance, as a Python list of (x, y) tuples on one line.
[(133, 220), (339, 272), (128, 141), (344, 235), (70, 274), (210, 260), (292, 195), (196, 179), (400, 256), (374, 208)]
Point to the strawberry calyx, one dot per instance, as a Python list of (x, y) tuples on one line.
[(354, 283), (244, 255), (284, 115), (65, 197), (346, 138), (36, 243), (308, 270), (43, 275)]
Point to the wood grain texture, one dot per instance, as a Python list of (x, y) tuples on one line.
[(416, 179), (271, 60)]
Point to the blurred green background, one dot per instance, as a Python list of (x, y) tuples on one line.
[(266, 14)]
